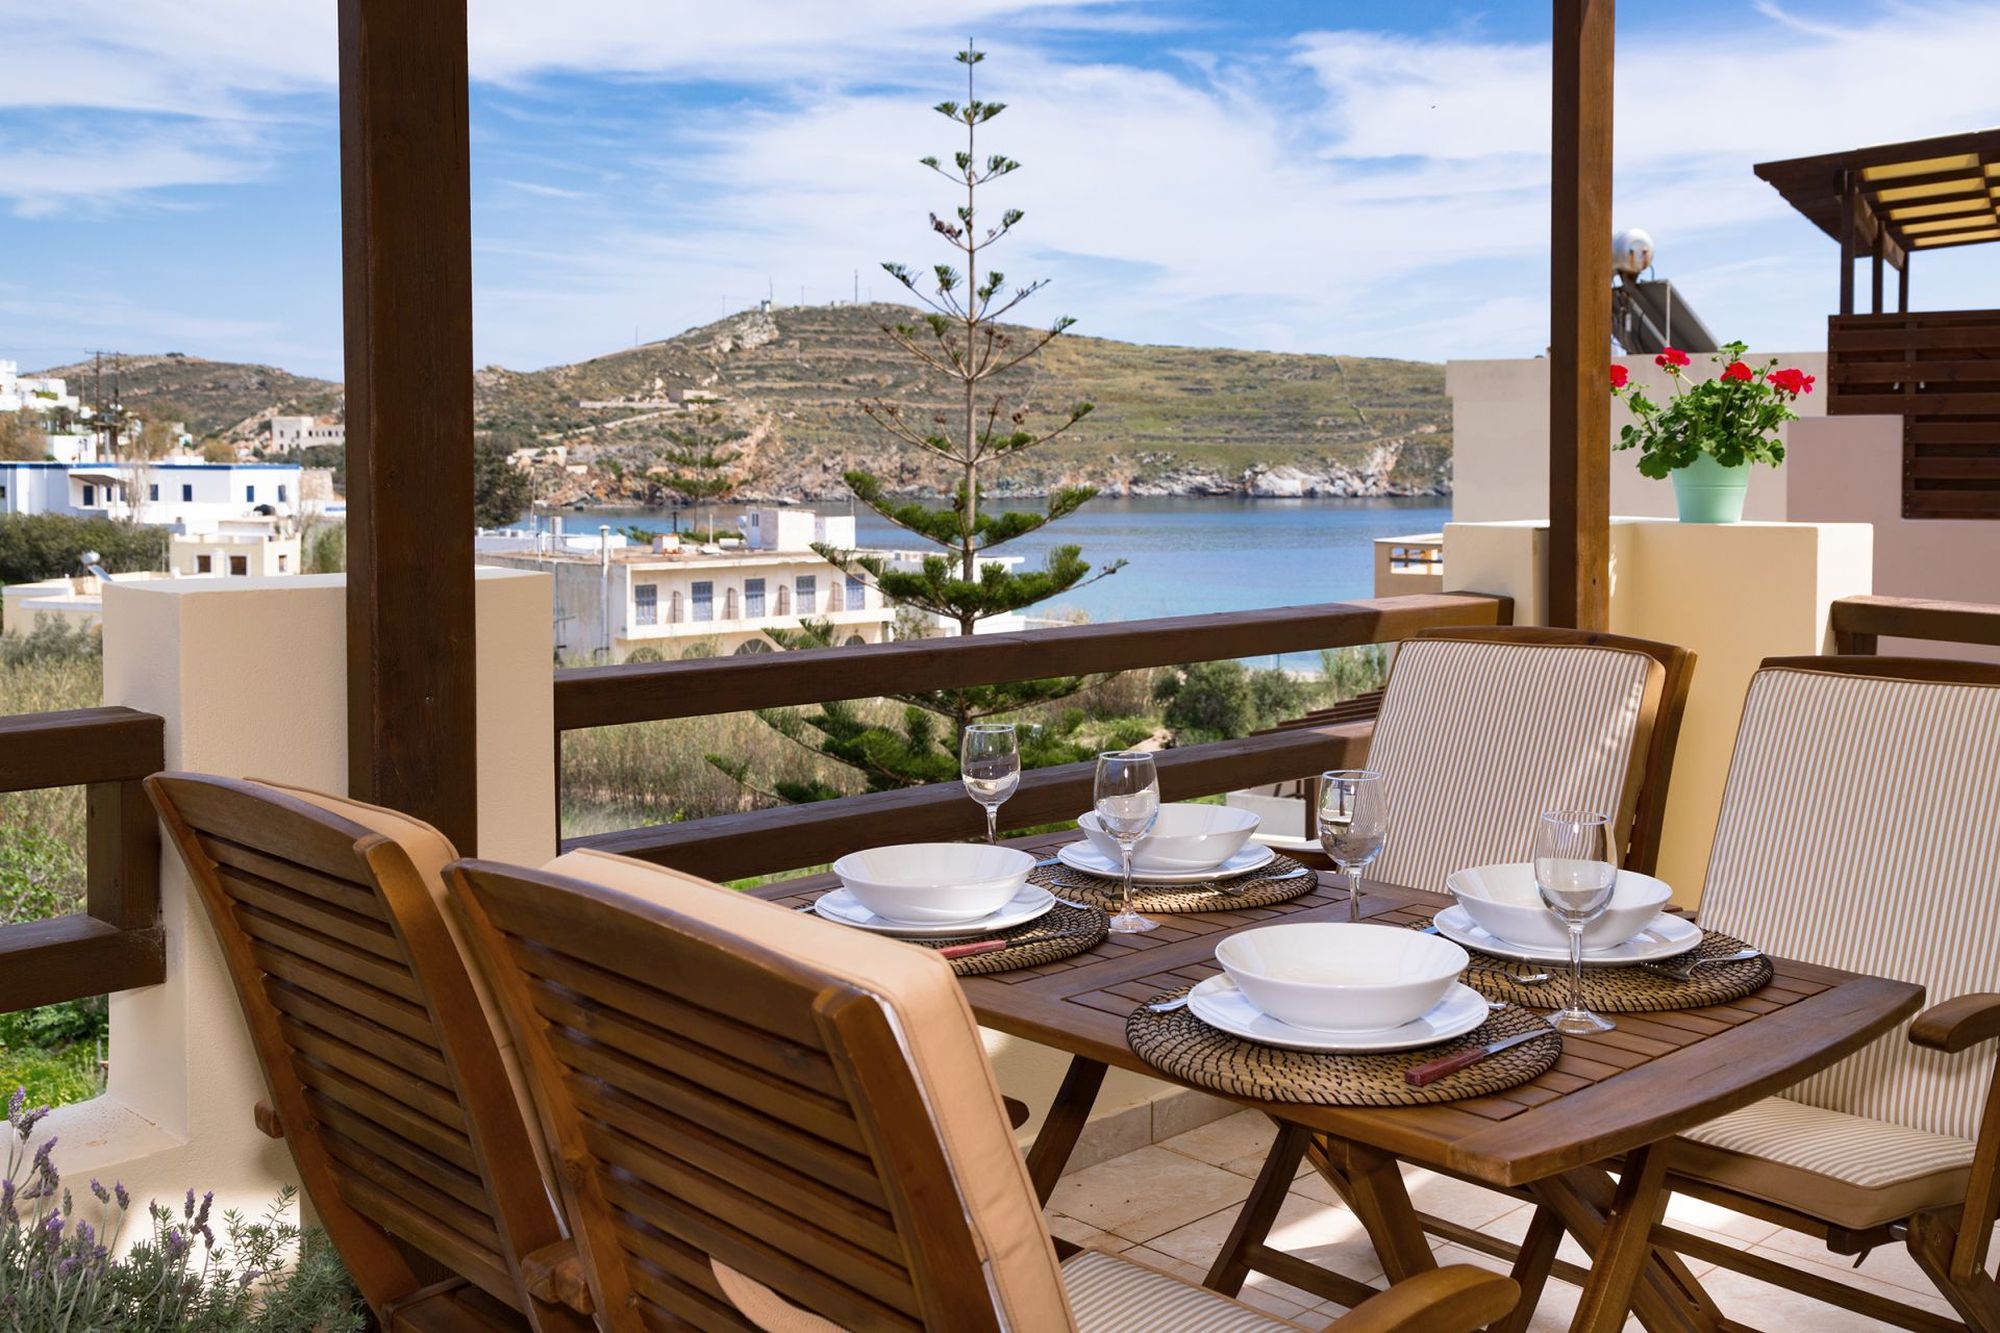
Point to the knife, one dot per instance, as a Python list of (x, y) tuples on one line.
[(971, 947), (1418, 1075)]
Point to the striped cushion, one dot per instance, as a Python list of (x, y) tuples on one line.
[(1476, 738), (1111, 1294), (1858, 831), (1841, 1167)]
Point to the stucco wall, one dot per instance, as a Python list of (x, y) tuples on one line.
[(1500, 441), (1733, 593), (177, 1113)]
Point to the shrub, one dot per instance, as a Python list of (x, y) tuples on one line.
[(60, 1267), (52, 639), (40, 876), (41, 546), (1207, 701)]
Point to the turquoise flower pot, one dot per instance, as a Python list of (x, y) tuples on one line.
[(1707, 492)]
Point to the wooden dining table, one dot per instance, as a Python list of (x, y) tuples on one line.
[(1610, 1104)]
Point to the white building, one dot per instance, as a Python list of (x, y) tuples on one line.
[(44, 394), (187, 496), (614, 597), (289, 433)]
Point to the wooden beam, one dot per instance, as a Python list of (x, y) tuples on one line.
[(1903, 286), (1847, 205), (1875, 268), (1580, 318), (407, 255)]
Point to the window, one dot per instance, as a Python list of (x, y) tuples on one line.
[(753, 597), (239, 565), (857, 593), (646, 603), (89, 495), (808, 593), (153, 490), (3, 492), (675, 612), (250, 494), (204, 564), (281, 562), (729, 604), (704, 601), (281, 494), (784, 600), (187, 494), (833, 597)]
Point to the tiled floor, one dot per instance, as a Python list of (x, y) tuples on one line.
[(1171, 1205)]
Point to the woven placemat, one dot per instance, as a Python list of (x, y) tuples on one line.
[(1061, 932), (1254, 890), (1622, 990), (1184, 1046)]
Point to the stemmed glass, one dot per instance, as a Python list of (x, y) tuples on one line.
[(989, 762), (1574, 872), (1353, 825), (1128, 803)]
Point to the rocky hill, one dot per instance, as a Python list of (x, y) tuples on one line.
[(1168, 420), (224, 398)]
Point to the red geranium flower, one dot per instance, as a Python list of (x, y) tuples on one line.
[(1792, 381), (1673, 356), (1736, 370), (1619, 375)]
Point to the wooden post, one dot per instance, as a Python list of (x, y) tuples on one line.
[(1881, 240), (1903, 285), (1846, 243), (1580, 319), (406, 223)]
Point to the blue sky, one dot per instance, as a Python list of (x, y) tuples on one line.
[(1360, 178)]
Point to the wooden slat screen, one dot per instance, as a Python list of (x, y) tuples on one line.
[(1940, 372)]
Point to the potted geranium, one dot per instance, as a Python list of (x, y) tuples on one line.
[(1711, 431)]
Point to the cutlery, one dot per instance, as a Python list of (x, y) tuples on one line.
[(1070, 902), (806, 906), (1514, 972), (1685, 971), (1217, 889), (968, 948), (1418, 1075), (1168, 1006)]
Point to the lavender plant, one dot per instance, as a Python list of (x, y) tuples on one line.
[(61, 1269)]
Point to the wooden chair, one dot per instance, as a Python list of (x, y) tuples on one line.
[(1860, 829), (387, 1078), (1478, 732), (765, 1121)]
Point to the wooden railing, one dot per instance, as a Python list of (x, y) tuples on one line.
[(1859, 622), (115, 943), (1940, 372), (762, 841)]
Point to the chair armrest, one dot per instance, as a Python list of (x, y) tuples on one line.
[(1458, 1299), (1957, 1024), (1017, 1112), (555, 1274), (266, 1117)]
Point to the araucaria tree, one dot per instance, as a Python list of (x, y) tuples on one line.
[(962, 341), (697, 464)]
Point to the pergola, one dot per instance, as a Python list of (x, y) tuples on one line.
[(407, 251), (1888, 201)]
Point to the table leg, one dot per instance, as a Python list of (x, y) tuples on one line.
[(1260, 1210), (1372, 1184), (1531, 1269), (1068, 1114)]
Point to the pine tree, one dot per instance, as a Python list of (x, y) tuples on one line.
[(697, 464), (961, 339)]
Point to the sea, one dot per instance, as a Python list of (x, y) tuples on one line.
[(1185, 555)]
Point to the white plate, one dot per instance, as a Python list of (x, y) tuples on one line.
[(1668, 936), (838, 905), (1083, 857), (1219, 1004)]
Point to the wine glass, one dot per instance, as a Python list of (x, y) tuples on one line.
[(1574, 872), (1353, 824), (1128, 802), (989, 762)]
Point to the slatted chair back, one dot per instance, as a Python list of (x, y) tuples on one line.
[(390, 1086), (1481, 730), (761, 1119), (1858, 830)]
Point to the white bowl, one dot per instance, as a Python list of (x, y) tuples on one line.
[(1186, 836), (1341, 977), (926, 883), (1503, 901)]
